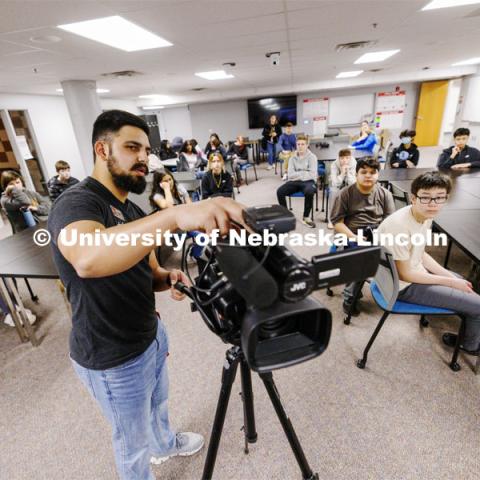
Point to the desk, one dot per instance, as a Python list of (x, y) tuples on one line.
[(390, 174), (171, 162), (21, 258), (188, 180)]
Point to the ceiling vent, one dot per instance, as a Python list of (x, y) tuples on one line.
[(122, 74), (355, 45), (199, 89), (375, 70)]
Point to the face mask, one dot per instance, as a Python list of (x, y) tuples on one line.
[(406, 140)]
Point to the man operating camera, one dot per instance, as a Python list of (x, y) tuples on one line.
[(118, 345)]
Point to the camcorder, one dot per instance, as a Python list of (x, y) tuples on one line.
[(259, 297)]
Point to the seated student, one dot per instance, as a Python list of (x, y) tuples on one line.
[(16, 199), (238, 154), (166, 150), (197, 148), (59, 183), (214, 145), (217, 182), (459, 155), (342, 174), (422, 279), (366, 142), (302, 175), (287, 144), (190, 160), (406, 155), (358, 206), (166, 192)]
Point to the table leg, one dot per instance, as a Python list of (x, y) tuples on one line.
[(63, 291), (13, 311), (23, 313)]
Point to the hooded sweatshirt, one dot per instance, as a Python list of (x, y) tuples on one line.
[(302, 168), (337, 179)]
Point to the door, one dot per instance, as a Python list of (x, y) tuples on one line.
[(430, 113)]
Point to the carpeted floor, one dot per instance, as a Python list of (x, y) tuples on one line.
[(406, 416)]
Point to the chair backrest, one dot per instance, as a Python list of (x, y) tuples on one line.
[(388, 153), (400, 197), (386, 278)]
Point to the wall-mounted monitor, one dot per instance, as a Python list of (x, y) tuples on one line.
[(260, 109)]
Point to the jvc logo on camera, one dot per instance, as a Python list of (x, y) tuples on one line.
[(297, 287)]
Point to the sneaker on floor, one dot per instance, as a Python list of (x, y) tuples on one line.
[(269, 167), (285, 177), (307, 222), (348, 309), (330, 225), (32, 318), (186, 444), (450, 340)]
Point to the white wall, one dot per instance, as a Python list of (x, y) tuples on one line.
[(230, 118), (53, 129), (467, 94), (119, 104)]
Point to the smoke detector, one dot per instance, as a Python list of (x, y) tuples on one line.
[(355, 45)]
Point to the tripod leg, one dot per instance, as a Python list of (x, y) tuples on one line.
[(248, 411), (228, 377), (307, 473)]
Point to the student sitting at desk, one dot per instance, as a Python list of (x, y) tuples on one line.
[(166, 192), (217, 182), (422, 279), (342, 174), (359, 206), (214, 145), (238, 154), (407, 154), (16, 200), (366, 142), (60, 182), (287, 144), (459, 155), (190, 160)]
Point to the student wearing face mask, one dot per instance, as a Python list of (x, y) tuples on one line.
[(406, 155)]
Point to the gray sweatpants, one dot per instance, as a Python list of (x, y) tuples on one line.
[(465, 303)]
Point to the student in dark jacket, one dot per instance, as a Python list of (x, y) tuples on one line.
[(459, 155), (407, 154), (60, 182), (217, 182), (214, 145), (271, 133), (166, 150), (238, 154)]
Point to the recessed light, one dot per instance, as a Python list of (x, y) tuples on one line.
[(45, 39), (99, 90), (153, 107), (117, 32), (376, 56), (354, 73), (214, 75), (470, 61), (434, 4)]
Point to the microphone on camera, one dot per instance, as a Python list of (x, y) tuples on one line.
[(249, 278)]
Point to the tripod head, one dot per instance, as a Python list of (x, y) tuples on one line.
[(258, 297)]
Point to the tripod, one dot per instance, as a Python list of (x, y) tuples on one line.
[(234, 356)]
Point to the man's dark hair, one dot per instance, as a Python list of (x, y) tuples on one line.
[(407, 133), (429, 180), (61, 165), (461, 131), (112, 121), (367, 162)]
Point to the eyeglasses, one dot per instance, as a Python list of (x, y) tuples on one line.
[(428, 200)]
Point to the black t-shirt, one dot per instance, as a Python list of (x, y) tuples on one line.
[(113, 317)]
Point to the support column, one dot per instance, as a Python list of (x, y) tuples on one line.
[(84, 107)]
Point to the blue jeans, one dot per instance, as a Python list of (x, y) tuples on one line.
[(271, 151), (133, 398)]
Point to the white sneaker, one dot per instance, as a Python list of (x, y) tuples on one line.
[(285, 177), (32, 318), (269, 167), (186, 444)]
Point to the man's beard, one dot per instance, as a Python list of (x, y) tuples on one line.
[(125, 181)]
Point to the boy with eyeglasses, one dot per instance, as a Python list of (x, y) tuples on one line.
[(422, 279)]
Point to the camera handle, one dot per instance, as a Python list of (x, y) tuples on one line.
[(234, 356)]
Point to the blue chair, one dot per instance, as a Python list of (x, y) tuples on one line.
[(301, 195), (384, 289), (246, 166)]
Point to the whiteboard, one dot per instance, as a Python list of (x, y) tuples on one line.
[(471, 110), (350, 110)]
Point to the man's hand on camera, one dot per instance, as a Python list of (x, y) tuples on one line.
[(174, 277), (207, 215)]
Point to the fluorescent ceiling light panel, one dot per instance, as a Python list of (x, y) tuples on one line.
[(470, 61), (99, 90), (153, 107), (118, 33), (376, 56), (434, 4), (214, 75), (354, 73)]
